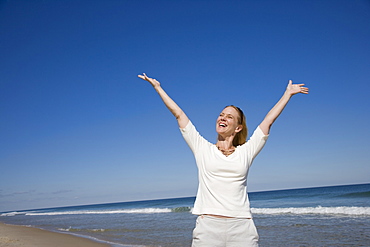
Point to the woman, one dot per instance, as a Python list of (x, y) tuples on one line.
[(222, 201)]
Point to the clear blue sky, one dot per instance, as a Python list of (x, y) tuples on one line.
[(78, 127)]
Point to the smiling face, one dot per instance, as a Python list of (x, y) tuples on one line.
[(228, 123)]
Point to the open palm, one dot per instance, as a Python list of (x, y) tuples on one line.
[(296, 88)]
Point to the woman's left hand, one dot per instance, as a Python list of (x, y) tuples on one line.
[(274, 113), (293, 89)]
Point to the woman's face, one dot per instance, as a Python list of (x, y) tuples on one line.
[(228, 122)]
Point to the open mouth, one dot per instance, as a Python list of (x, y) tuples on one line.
[(222, 125)]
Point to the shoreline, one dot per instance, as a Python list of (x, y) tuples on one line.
[(23, 236)]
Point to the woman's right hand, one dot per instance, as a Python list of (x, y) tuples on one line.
[(152, 81), (180, 116)]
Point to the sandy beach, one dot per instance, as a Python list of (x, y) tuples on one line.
[(14, 236)]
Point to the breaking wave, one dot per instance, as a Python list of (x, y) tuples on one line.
[(350, 211), (118, 211)]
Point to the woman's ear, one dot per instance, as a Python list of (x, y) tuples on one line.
[(239, 128)]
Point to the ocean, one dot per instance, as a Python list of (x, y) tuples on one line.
[(323, 216)]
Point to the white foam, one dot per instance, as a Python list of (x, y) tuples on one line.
[(353, 211), (12, 213), (65, 229), (121, 211), (350, 211)]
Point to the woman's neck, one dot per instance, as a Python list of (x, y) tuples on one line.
[(226, 148), (225, 143)]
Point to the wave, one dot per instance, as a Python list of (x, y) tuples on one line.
[(76, 232), (118, 211), (13, 213), (364, 194), (70, 229), (350, 211), (181, 209)]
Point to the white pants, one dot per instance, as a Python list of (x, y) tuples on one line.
[(224, 232)]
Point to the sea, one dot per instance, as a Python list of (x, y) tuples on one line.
[(323, 216)]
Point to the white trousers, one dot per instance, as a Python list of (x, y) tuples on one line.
[(224, 232)]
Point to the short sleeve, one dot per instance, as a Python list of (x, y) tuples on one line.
[(255, 144), (192, 137)]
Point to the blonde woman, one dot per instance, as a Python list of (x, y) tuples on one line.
[(222, 201)]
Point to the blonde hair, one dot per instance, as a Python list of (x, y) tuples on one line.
[(240, 137)]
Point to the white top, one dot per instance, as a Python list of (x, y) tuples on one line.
[(222, 179)]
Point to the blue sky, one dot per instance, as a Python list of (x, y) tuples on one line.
[(78, 127)]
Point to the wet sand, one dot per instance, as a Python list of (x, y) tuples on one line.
[(22, 236)]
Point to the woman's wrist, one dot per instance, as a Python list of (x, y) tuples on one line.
[(288, 93)]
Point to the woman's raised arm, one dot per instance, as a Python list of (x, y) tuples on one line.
[(179, 114), (274, 113)]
